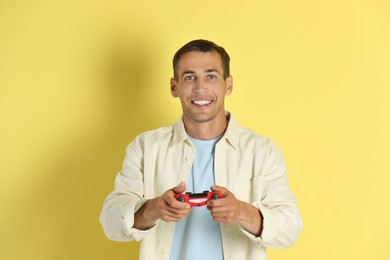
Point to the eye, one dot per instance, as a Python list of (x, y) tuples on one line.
[(212, 76), (189, 77)]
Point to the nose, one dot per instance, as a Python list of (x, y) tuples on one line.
[(200, 85)]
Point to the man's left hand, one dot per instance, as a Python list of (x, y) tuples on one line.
[(225, 210), (229, 210)]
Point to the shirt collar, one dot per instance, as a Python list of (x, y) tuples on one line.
[(231, 134), (179, 133), (232, 131)]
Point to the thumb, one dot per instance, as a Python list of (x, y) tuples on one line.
[(223, 190), (180, 188)]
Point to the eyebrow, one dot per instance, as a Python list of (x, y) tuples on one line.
[(212, 70), (207, 71), (188, 72)]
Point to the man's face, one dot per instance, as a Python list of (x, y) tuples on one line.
[(200, 86)]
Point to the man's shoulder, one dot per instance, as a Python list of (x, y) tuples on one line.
[(250, 134), (247, 133), (161, 132), (244, 137)]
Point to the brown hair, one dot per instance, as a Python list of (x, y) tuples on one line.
[(203, 46)]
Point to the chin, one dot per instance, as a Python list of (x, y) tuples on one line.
[(202, 118)]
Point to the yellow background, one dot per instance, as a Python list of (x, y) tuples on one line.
[(80, 79)]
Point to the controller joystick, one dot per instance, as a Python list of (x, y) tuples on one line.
[(198, 199)]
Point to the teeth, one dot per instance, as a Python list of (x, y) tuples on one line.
[(201, 102)]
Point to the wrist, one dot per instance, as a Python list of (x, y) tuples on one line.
[(250, 218), (150, 212), (146, 216)]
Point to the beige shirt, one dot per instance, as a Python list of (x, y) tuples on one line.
[(249, 165)]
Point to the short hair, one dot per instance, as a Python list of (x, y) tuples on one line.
[(203, 46)]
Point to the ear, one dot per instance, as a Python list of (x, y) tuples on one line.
[(173, 87), (229, 85)]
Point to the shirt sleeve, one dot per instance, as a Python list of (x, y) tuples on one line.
[(117, 216), (282, 222)]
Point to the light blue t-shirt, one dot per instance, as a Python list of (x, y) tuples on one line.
[(198, 236)]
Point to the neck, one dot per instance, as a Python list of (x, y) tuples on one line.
[(206, 130)]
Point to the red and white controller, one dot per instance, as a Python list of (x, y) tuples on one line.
[(198, 199)]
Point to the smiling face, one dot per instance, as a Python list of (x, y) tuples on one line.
[(201, 87)]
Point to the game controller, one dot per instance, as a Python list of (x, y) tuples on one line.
[(198, 199)]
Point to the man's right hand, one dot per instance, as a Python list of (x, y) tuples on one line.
[(166, 208), (171, 210)]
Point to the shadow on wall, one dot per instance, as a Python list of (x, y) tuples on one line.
[(82, 172)]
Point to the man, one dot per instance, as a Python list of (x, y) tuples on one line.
[(205, 150)]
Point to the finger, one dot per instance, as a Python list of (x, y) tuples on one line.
[(180, 188), (170, 200), (224, 217), (223, 220), (174, 203), (219, 218), (221, 202), (179, 212), (218, 202), (220, 209), (172, 218), (222, 213), (177, 207), (221, 189), (170, 214)]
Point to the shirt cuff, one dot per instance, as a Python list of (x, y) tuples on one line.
[(127, 216), (269, 227)]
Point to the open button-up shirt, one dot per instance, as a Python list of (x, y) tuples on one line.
[(248, 164)]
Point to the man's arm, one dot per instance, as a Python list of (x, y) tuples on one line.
[(166, 208), (272, 218), (250, 219), (230, 210)]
